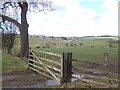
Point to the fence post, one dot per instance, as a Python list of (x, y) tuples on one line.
[(106, 58), (30, 57), (69, 67), (62, 69), (66, 67)]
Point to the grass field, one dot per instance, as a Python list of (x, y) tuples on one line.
[(83, 52)]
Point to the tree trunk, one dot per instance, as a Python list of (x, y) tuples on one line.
[(23, 27), (24, 31)]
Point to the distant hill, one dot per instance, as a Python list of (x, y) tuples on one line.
[(106, 36)]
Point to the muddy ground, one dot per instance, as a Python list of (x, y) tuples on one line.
[(23, 80), (93, 75)]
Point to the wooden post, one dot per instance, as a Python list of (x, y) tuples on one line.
[(69, 67), (66, 67), (30, 57), (106, 58), (62, 69)]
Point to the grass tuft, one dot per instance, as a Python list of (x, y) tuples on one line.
[(11, 64)]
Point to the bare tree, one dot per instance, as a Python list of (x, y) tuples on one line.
[(16, 12)]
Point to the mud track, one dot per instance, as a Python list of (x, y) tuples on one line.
[(23, 80)]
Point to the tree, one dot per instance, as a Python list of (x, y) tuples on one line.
[(21, 22), (8, 41), (71, 45), (81, 44), (64, 38), (75, 44), (8, 37)]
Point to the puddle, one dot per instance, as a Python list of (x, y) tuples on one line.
[(47, 83), (96, 73), (55, 82), (52, 82), (43, 84), (77, 77)]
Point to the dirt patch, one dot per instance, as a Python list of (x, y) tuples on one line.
[(21, 79), (93, 67), (26, 80)]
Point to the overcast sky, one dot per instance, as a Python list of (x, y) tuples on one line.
[(77, 18)]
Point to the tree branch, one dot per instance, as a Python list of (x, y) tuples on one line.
[(11, 20), (20, 4)]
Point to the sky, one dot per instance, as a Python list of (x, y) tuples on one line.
[(76, 18)]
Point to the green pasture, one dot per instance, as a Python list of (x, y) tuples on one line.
[(40, 41), (84, 52)]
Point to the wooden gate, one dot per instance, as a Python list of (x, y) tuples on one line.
[(52, 65)]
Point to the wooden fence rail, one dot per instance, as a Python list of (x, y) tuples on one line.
[(61, 69)]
